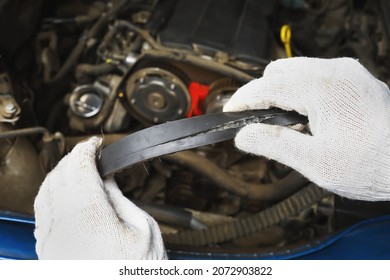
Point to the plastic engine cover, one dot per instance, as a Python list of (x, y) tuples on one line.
[(239, 28)]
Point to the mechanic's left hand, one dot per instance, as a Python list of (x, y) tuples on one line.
[(80, 216)]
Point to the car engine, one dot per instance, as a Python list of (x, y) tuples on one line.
[(74, 69)]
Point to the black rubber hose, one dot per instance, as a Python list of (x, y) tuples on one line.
[(104, 19), (74, 56), (200, 62), (24, 132), (93, 70), (170, 215), (166, 214), (70, 61), (263, 192)]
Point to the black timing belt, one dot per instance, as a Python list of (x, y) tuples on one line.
[(186, 134)]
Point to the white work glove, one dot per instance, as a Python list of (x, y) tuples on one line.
[(80, 216), (348, 109)]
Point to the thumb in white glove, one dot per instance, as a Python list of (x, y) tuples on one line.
[(349, 117), (79, 216)]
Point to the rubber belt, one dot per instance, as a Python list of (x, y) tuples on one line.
[(185, 134)]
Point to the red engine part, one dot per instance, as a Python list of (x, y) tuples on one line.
[(198, 93)]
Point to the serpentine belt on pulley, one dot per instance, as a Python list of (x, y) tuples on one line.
[(185, 134)]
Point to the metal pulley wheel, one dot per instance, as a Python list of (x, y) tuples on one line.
[(158, 94), (86, 101), (220, 92)]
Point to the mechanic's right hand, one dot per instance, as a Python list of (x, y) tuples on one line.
[(348, 109)]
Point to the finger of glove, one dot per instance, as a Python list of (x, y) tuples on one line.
[(265, 93), (313, 67), (144, 229), (296, 83), (282, 144)]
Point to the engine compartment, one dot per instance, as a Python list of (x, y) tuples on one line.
[(111, 68)]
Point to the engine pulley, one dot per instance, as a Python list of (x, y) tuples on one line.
[(86, 101), (157, 95), (219, 94)]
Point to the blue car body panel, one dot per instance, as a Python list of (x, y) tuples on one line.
[(17, 236), (369, 239)]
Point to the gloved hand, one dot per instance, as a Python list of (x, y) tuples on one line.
[(80, 216), (348, 109)]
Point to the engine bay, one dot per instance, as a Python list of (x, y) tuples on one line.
[(74, 69)]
